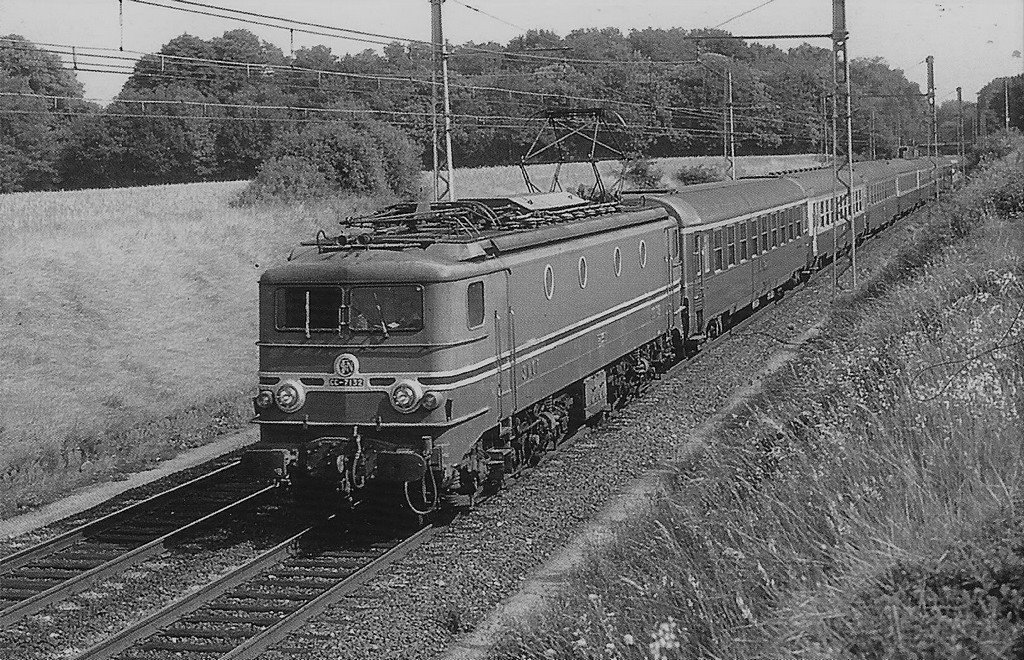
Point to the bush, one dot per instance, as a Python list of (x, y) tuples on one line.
[(691, 174), (327, 159), (287, 179), (643, 173)]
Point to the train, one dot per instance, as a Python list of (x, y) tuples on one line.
[(431, 350)]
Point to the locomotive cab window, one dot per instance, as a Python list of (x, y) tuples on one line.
[(475, 305), (319, 308), (396, 308)]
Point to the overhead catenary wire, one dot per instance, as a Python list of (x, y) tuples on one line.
[(264, 67)]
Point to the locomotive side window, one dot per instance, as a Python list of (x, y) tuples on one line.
[(718, 250), (475, 305), (396, 308), (309, 308), (730, 234)]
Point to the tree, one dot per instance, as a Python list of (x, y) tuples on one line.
[(37, 94)]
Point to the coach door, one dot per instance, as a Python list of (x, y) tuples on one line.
[(701, 255), (673, 239), (505, 354)]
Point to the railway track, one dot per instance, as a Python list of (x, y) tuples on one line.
[(58, 568), (255, 606)]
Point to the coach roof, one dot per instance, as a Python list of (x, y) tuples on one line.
[(708, 203)]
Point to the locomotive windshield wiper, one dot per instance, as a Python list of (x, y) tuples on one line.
[(380, 315)]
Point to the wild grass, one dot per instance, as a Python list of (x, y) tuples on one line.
[(868, 503), (128, 320)]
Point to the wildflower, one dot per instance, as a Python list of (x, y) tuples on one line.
[(664, 640), (628, 640), (580, 643), (550, 653)]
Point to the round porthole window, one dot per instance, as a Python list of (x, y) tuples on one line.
[(549, 281), (583, 272), (617, 260), (643, 254)]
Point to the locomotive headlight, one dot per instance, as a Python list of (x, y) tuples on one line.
[(406, 395), (431, 400), (264, 399), (290, 396)]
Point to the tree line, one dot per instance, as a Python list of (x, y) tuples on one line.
[(187, 113)]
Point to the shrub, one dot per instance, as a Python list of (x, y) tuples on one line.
[(691, 174), (643, 173), (287, 179), (327, 159)]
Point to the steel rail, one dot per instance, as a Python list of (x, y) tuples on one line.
[(83, 580), (174, 611), (252, 646), (69, 538)]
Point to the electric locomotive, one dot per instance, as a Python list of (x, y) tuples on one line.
[(439, 347)]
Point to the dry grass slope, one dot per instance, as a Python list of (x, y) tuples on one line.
[(127, 319)]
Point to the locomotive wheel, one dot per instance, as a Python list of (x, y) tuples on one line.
[(715, 328)]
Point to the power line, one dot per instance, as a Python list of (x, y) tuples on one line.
[(263, 67), (742, 14), (500, 20)]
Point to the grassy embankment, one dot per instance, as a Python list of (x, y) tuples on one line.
[(868, 504), (127, 319)]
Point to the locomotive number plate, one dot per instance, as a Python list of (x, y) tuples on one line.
[(347, 382)]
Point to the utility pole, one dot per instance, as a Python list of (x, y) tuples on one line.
[(444, 182), (1006, 104), (933, 132), (871, 134), (732, 130), (980, 120), (841, 75), (960, 125)]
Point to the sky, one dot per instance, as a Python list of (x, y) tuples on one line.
[(973, 42)]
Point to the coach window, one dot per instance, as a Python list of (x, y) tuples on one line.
[(773, 221), (743, 241), (718, 250), (752, 233), (800, 221), (764, 233), (549, 281), (583, 272), (791, 225), (643, 254), (617, 261), (475, 305), (705, 247), (730, 236)]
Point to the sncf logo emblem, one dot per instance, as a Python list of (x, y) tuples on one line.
[(346, 365)]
